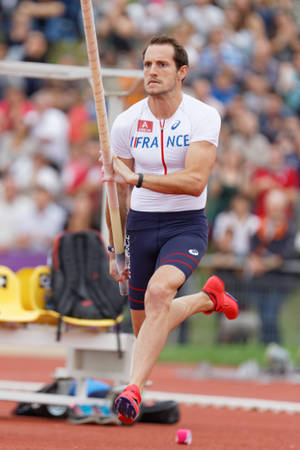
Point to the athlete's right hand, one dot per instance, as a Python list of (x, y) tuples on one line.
[(111, 175), (123, 172)]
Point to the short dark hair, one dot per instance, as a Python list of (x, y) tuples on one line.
[(180, 54)]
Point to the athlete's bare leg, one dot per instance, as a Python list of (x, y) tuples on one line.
[(137, 319), (162, 314)]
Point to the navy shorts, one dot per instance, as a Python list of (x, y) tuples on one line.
[(157, 238)]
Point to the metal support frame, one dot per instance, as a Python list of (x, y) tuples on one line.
[(91, 353)]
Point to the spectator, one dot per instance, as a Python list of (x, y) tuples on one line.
[(256, 90), (272, 116), (262, 63), (289, 141), (153, 17), (285, 41), (275, 175), (272, 244), (227, 180), (218, 54), (16, 146), (81, 216), (232, 113), (7, 8), (25, 169), (224, 88), (56, 19), (75, 171), (116, 29), (82, 174), (239, 32), (14, 105), (234, 229), (12, 208), (20, 26), (204, 16), (51, 127), (44, 219), (247, 139), (244, 7), (256, 27), (202, 91), (289, 83), (93, 183), (267, 11), (187, 36), (35, 49), (78, 117)]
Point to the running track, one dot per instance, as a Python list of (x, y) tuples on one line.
[(212, 429)]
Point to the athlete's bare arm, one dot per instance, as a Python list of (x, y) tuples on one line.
[(191, 180), (123, 192)]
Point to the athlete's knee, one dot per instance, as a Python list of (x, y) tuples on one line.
[(158, 297)]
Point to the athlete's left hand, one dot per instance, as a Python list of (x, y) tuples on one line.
[(114, 272)]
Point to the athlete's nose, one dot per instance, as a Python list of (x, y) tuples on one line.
[(152, 70)]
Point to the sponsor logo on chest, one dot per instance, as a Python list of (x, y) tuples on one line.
[(145, 126)]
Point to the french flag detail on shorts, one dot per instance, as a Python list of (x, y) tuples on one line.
[(183, 254), (135, 301), (136, 289), (177, 261), (145, 126), (185, 259)]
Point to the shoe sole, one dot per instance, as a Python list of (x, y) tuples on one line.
[(127, 408), (235, 300), (125, 420)]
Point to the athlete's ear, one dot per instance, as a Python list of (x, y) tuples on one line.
[(182, 72)]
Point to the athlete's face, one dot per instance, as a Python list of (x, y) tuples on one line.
[(161, 75)]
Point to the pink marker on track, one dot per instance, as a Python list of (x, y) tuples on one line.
[(184, 436)]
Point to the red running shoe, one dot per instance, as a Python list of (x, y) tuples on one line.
[(223, 302), (127, 404)]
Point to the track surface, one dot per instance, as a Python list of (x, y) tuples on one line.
[(212, 429)]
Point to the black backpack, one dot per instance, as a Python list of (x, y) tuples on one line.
[(159, 412), (80, 281)]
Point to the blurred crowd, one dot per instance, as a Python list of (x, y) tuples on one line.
[(245, 61)]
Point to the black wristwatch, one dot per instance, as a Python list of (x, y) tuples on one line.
[(140, 180)]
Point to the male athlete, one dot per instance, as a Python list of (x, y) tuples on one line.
[(164, 147)]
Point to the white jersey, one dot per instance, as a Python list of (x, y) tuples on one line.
[(159, 147)]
